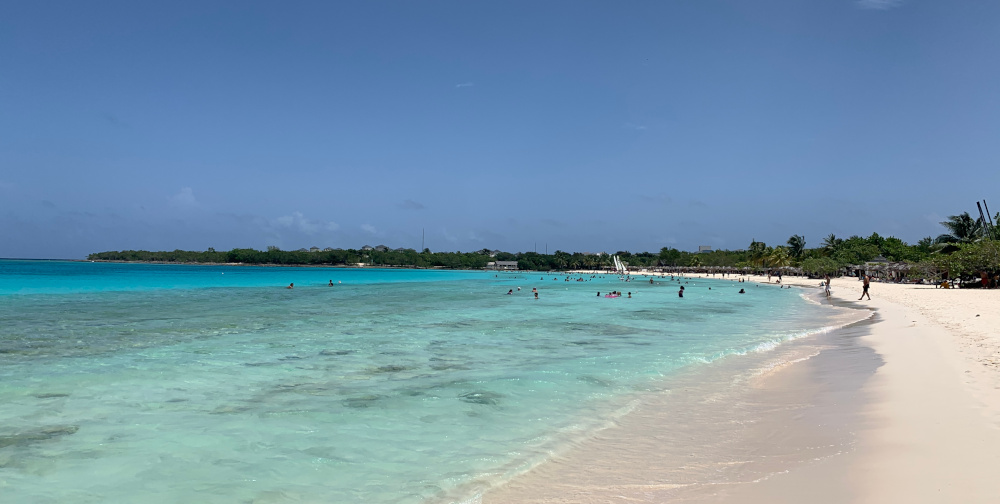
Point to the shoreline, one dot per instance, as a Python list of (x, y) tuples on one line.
[(924, 423)]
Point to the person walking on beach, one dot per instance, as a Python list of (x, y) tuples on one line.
[(867, 280), (826, 286)]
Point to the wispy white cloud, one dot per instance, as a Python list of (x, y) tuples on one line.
[(368, 228), (633, 126), (879, 4), (300, 223), (184, 198), (465, 84)]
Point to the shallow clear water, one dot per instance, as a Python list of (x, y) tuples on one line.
[(215, 384)]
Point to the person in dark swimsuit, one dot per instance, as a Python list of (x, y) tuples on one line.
[(864, 292), (680, 293)]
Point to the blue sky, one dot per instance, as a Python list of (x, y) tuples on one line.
[(580, 126)]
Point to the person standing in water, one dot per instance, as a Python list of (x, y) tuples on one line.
[(680, 293)]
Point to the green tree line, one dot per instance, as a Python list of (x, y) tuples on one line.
[(968, 249)]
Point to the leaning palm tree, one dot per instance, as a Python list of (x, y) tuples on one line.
[(963, 229)]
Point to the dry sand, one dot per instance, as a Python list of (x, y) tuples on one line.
[(906, 411)]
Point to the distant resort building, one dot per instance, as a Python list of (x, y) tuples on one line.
[(502, 265), (704, 249)]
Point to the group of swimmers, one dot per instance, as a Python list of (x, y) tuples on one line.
[(614, 294), (533, 290), (292, 285)]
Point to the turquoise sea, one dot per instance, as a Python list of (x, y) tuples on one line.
[(216, 384)]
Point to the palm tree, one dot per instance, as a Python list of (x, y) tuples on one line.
[(796, 246), (757, 251), (964, 229), (779, 257), (830, 243)]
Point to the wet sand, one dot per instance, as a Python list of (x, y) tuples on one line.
[(901, 408)]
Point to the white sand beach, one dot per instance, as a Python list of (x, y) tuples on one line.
[(916, 404)]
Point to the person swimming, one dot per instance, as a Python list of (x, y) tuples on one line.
[(510, 292), (680, 293), (331, 283), (742, 291), (290, 286)]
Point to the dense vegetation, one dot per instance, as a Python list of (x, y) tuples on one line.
[(968, 249)]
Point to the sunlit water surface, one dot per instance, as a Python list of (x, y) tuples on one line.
[(164, 384)]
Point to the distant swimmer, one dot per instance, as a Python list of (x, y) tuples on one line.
[(598, 293), (510, 292), (630, 295), (742, 291), (331, 283), (536, 295), (650, 281), (534, 289), (680, 293), (290, 286)]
